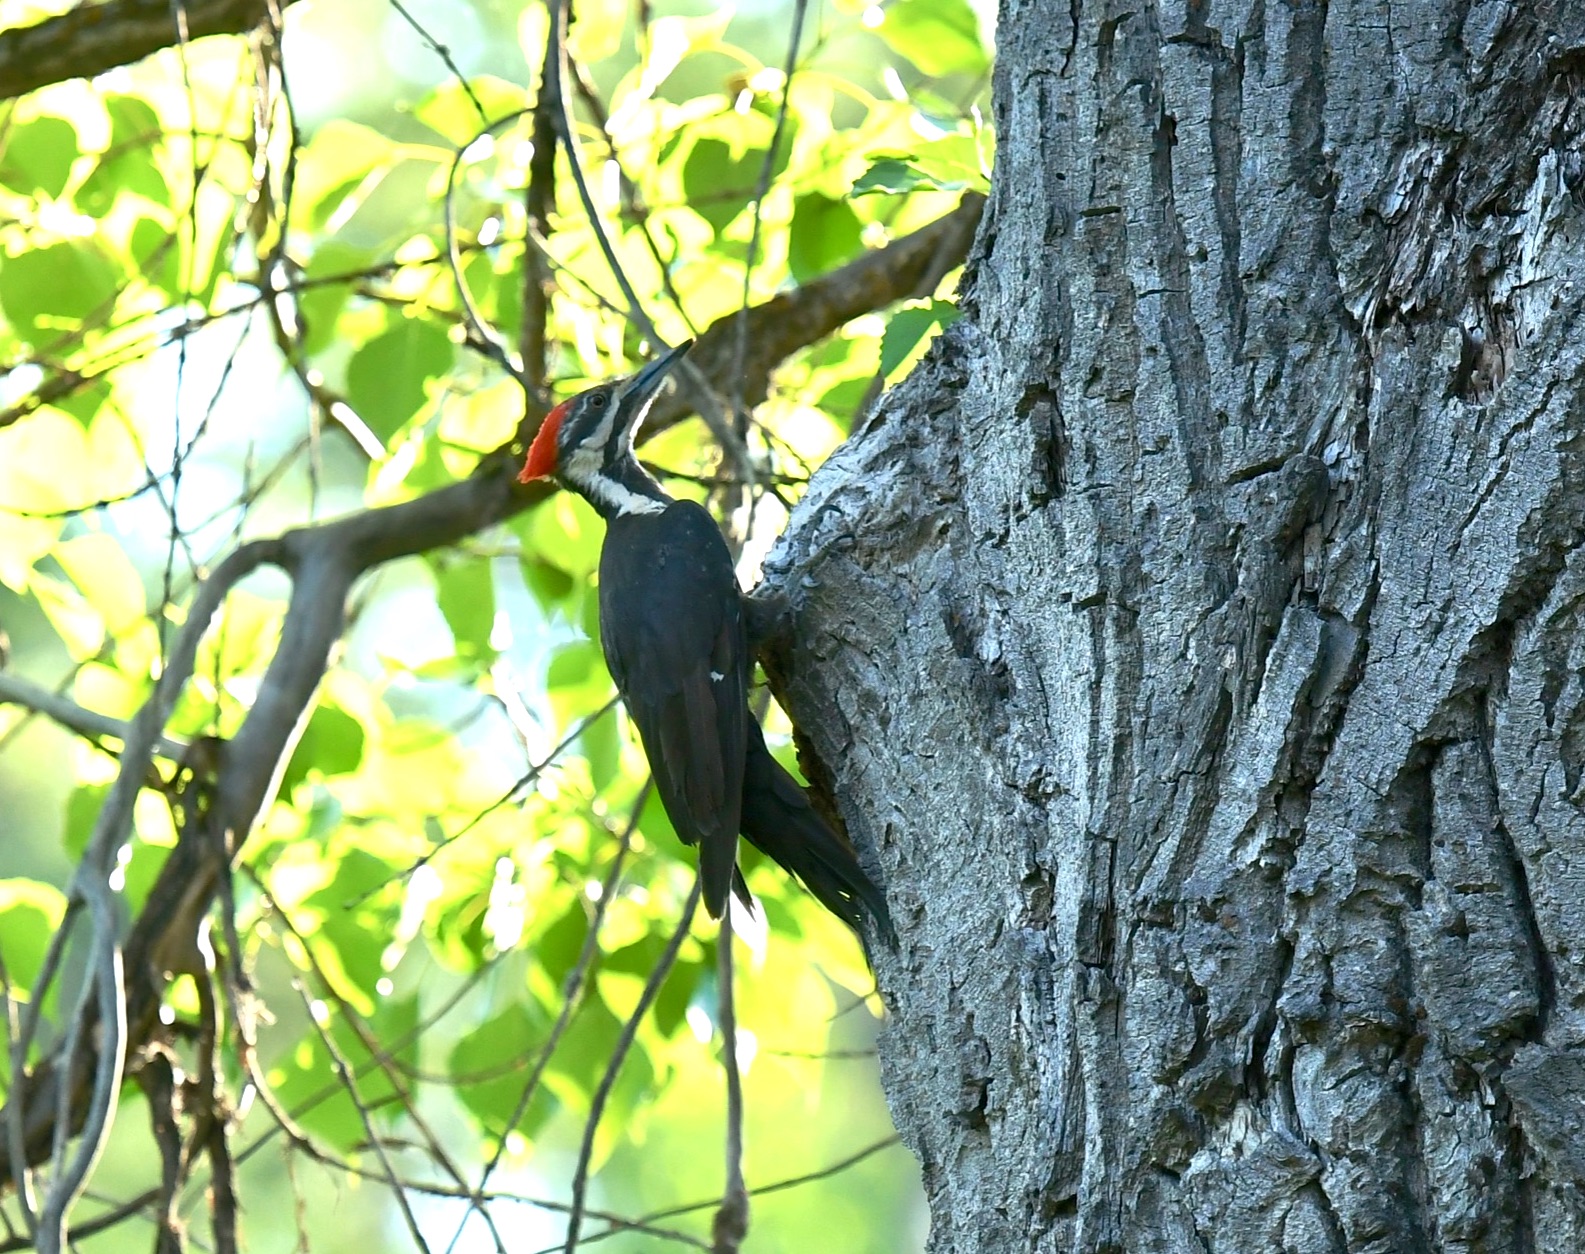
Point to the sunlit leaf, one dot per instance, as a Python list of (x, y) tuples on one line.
[(387, 377), (128, 166), (460, 111), (824, 233), (465, 591), (338, 167), (331, 744), (76, 622), (30, 913), (909, 327), (37, 156), (938, 36), (22, 542), (47, 293), (99, 566)]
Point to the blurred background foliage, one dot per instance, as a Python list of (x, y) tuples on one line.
[(226, 310)]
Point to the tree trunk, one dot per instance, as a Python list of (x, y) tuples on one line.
[(1193, 644)]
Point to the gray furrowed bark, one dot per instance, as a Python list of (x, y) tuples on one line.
[(1193, 643)]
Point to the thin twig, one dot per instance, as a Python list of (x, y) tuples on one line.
[(518, 785), (90, 724), (488, 339), (350, 1086), (572, 996), (703, 395), (767, 167), (613, 1067), (731, 1217)]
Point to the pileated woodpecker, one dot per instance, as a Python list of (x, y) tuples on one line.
[(672, 627)]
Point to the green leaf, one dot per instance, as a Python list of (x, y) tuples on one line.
[(386, 377), (824, 234), (601, 743), (130, 164), (331, 744), (30, 912), (155, 254), (567, 532), (133, 172), (939, 36), (356, 928), (302, 1079), (336, 165), (893, 176), (549, 583), (48, 292), (132, 120), (37, 156), (320, 303), (585, 1048), (657, 827), (453, 109), (465, 591), (141, 871), (909, 326), (718, 184), (82, 812), (671, 1003), (560, 944), (86, 404), (572, 665), (950, 161), (488, 1068)]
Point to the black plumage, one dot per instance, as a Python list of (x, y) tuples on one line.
[(673, 632), (678, 657)]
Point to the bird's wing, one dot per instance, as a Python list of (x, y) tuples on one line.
[(672, 632)]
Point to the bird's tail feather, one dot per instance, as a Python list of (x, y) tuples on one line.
[(779, 821)]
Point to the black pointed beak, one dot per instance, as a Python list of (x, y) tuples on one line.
[(647, 381)]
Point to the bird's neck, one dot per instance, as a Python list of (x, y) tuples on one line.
[(617, 487)]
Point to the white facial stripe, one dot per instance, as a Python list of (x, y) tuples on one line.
[(599, 434), (583, 463), (583, 471), (621, 499)]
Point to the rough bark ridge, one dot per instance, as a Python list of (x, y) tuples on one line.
[(1195, 644)]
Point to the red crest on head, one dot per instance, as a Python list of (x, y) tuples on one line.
[(542, 453)]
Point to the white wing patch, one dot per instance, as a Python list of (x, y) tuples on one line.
[(716, 677)]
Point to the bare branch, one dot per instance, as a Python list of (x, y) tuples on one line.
[(794, 320), (323, 560), (14, 690), (92, 38)]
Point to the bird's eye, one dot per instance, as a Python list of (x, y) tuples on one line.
[(598, 400)]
